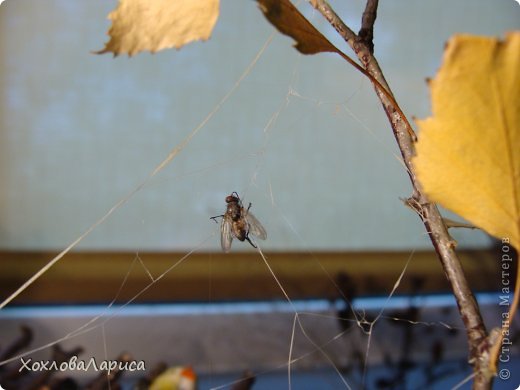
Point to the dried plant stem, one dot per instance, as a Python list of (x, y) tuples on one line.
[(433, 221)]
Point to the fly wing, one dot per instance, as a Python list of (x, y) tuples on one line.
[(225, 234), (255, 227)]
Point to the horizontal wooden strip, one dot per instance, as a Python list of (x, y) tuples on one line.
[(94, 277)]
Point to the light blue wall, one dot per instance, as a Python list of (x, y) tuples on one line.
[(78, 131)]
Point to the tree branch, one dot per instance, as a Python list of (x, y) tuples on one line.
[(432, 220)]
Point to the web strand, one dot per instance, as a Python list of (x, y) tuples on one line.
[(173, 153)]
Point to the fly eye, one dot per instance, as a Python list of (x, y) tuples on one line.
[(232, 198)]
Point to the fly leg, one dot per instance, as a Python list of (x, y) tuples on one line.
[(217, 216), (251, 242)]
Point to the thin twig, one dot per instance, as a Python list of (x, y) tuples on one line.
[(366, 33), (20, 343), (433, 221)]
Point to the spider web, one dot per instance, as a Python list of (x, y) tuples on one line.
[(355, 321)]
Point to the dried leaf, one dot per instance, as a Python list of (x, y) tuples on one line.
[(143, 25), (289, 21), (468, 156)]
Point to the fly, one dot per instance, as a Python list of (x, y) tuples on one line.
[(238, 222)]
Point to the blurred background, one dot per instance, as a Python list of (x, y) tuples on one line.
[(303, 138)]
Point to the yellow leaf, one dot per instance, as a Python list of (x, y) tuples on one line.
[(289, 21), (468, 156), (144, 25)]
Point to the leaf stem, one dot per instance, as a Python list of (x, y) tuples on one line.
[(444, 246)]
